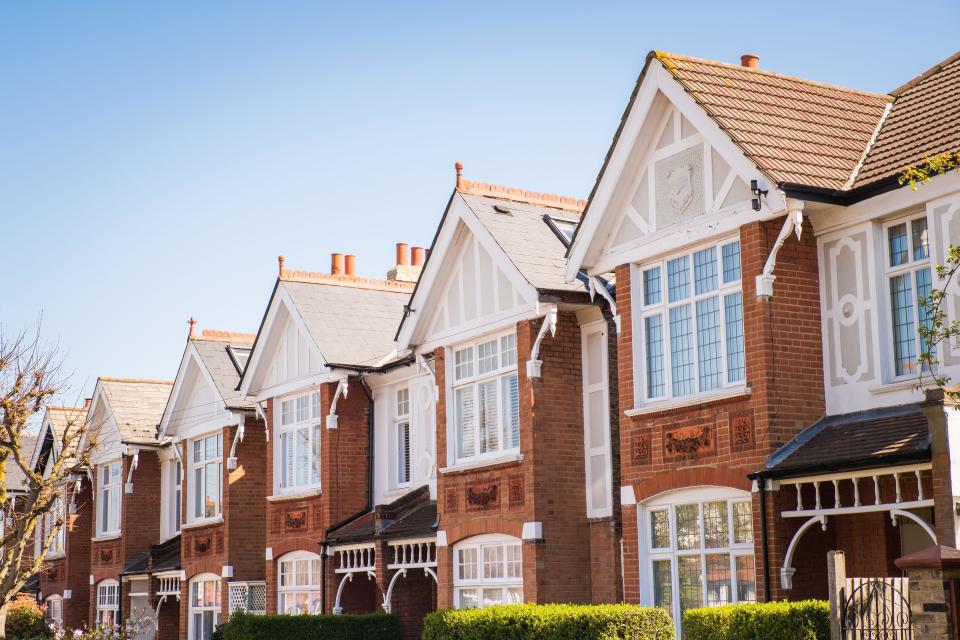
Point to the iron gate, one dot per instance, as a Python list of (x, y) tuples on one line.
[(876, 609)]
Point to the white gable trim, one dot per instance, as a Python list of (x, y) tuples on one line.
[(191, 358), (435, 281), (105, 448), (585, 252), (44, 428), (258, 366)]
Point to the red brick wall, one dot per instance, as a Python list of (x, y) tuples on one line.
[(784, 369)]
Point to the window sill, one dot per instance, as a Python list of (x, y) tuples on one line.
[(56, 556), (105, 537), (483, 462), (293, 495), (196, 524), (899, 385), (689, 401)]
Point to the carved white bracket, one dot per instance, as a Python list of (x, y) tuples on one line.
[(232, 460), (423, 364), (133, 465), (597, 287), (793, 224), (332, 419), (535, 365)]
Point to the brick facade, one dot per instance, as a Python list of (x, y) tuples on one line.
[(72, 571)]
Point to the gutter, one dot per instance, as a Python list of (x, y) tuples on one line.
[(841, 197)]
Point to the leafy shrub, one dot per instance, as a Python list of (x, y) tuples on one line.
[(25, 621), (550, 622), (344, 627), (804, 620)]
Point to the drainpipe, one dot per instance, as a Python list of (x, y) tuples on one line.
[(764, 543)]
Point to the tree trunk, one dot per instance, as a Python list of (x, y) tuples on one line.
[(3, 621)]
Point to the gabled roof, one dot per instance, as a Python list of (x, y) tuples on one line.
[(62, 421), (137, 406), (213, 348), (924, 122)]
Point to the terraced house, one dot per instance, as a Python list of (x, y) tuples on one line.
[(680, 392)]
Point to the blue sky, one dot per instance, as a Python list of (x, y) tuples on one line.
[(155, 158)]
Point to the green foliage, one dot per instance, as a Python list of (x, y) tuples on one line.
[(936, 330), (922, 172), (550, 622), (25, 621), (344, 627), (804, 620)]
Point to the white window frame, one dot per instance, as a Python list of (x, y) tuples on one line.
[(603, 449), (648, 554), (45, 524), (402, 427), (287, 427), (108, 603), (478, 583), (174, 497), (109, 495), (910, 267), (50, 609), (473, 381), (196, 490), (193, 631), (312, 590), (662, 308)]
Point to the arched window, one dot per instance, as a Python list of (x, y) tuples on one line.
[(54, 610), (204, 606), (696, 549), (300, 579), (488, 570), (108, 603)]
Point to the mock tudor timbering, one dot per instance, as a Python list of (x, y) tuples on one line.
[(681, 392)]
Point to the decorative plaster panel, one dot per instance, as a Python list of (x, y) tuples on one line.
[(679, 186)]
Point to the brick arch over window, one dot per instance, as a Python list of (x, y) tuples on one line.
[(481, 526), (283, 547), (205, 566), (683, 478)]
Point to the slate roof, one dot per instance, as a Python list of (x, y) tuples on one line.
[(924, 121), (409, 516), (862, 440), (351, 324), (526, 238), (137, 406), (16, 480), (160, 557), (216, 359), (64, 418), (795, 130)]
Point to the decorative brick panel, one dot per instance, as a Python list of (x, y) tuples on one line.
[(741, 429), (452, 503), (515, 488), (482, 496), (689, 442), (640, 451), (295, 520)]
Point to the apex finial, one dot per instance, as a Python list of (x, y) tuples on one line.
[(193, 325), (459, 167), (280, 261)]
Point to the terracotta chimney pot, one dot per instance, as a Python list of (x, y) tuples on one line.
[(418, 256), (750, 60), (403, 253), (459, 168), (336, 264), (350, 262)]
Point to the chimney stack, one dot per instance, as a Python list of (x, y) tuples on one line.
[(408, 266), (86, 402), (750, 61), (336, 264), (417, 257)]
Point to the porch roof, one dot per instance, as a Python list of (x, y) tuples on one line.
[(159, 557), (862, 440), (411, 515)]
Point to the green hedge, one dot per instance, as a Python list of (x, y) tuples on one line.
[(550, 622), (804, 620), (344, 627)]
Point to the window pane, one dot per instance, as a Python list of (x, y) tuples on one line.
[(718, 579), (511, 411), (904, 331), (920, 240), (465, 421), (315, 455), (651, 286), (303, 455), (493, 561), (924, 286), (508, 350), (315, 405), (708, 344), (731, 262), (463, 363), (403, 452), (514, 595), (514, 561), (688, 526), (678, 279), (286, 412), (403, 402), (303, 409), (660, 529), (468, 563), (286, 453), (899, 246), (681, 351), (487, 355), (733, 318), (742, 522), (213, 490), (468, 599), (705, 270), (691, 590), (715, 526), (663, 585), (489, 429), (197, 451), (746, 579), (653, 332)]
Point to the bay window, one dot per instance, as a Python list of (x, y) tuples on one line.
[(207, 461), (488, 571), (298, 438), (486, 397), (108, 604), (300, 587), (205, 595), (108, 498), (909, 280), (691, 323)]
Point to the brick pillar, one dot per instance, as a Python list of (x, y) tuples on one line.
[(445, 577), (381, 561), (946, 488), (931, 573)]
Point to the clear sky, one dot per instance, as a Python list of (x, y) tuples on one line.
[(155, 158)]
